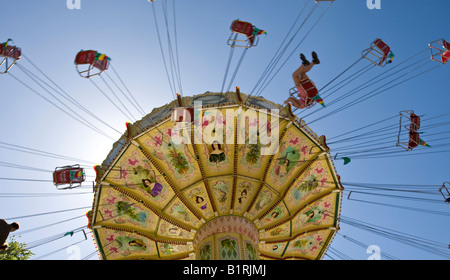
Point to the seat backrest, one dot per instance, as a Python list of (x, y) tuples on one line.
[(415, 122), (384, 48), (309, 87), (85, 57), (242, 27)]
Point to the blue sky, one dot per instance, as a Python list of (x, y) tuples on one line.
[(50, 35)]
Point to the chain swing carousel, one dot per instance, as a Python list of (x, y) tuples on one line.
[(192, 181), (157, 198)]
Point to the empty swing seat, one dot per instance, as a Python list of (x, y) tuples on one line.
[(379, 51), (68, 175), (93, 59), (382, 46), (412, 127), (440, 51), (9, 55), (246, 29)]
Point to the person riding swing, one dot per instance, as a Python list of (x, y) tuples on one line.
[(306, 89)]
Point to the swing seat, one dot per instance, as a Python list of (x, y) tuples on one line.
[(10, 55), (244, 28), (412, 128), (306, 91), (68, 175), (91, 59), (440, 51), (382, 46), (10, 52), (377, 52)]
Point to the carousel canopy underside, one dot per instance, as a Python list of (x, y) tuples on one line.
[(157, 199)]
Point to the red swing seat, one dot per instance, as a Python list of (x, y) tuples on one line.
[(382, 46), (245, 28), (10, 51), (10, 55), (378, 51), (85, 57), (440, 51), (90, 58), (445, 56), (306, 86), (68, 175), (412, 128)]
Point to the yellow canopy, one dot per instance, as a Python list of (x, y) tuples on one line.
[(155, 197)]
